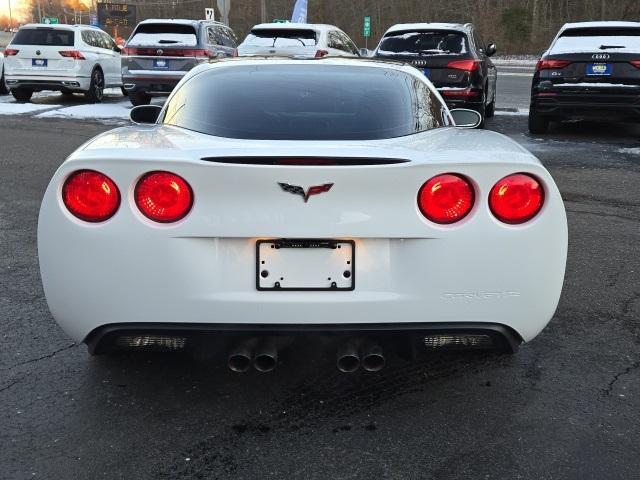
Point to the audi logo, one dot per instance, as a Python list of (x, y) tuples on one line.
[(159, 51), (601, 56)]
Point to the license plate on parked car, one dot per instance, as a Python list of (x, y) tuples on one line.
[(161, 64), (38, 62), (305, 264), (599, 69)]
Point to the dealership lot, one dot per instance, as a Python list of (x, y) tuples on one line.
[(570, 397)]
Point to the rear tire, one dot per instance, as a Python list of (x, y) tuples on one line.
[(96, 87), (490, 111), (22, 94), (537, 123), (139, 98), (483, 112)]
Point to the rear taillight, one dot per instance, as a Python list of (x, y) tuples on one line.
[(75, 54), (460, 92), (10, 52), (321, 53), (163, 197), (446, 198), (91, 196), (635, 63), (466, 65), (551, 64), (516, 199)]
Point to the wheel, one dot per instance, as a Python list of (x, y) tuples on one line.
[(3, 85), (482, 110), (96, 87), (139, 98), (490, 111), (22, 94), (538, 123)]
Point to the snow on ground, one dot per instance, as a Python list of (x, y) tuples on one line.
[(100, 111), (516, 60), (22, 108), (513, 111), (632, 151)]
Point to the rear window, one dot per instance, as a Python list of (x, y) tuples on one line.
[(169, 34), (44, 36), (424, 43), (281, 38), (577, 40), (305, 102)]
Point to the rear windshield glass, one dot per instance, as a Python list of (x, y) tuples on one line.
[(598, 40), (43, 36), (281, 38), (172, 34), (424, 43), (305, 102)]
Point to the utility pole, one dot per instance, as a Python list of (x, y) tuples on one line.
[(263, 11), (10, 18), (39, 12)]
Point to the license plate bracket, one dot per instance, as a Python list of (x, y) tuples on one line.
[(39, 62), (161, 64), (305, 265), (599, 69)]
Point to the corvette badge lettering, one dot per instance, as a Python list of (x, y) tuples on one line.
[(313, 190)]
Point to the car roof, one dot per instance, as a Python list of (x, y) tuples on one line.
[(402, 27), (57, 26), (602, 24), (294, 26), (179, 21)]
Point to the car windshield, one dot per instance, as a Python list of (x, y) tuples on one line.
[(173, 34), (424, 43), (305, 102), (44, 36), (577, 40), (281, 38)]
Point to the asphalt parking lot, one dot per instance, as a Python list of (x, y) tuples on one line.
[(566, 406)]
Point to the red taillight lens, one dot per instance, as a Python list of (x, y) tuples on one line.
[(446, 198), (467, 65), (460, 92), (90, 196), (635, 63), (10, 52), (321, 53), (163, 197), (75, 54), (551, 64), (516, 198)]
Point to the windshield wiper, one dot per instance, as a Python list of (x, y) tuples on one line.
[(293, 38), (606, 47)]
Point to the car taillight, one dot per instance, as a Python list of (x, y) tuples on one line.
[(163, 197), (635, 63), (91, 196), (551, 64), (10, 52), (466, 65), (446, 198), (321, 53), (516, 199), (75, 54), (127, 51), (460, 92)]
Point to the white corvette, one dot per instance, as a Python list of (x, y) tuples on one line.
[(273, 199)]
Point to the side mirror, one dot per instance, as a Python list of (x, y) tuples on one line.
[(465, 118), (491, 50), (145, 114), (364, 52)]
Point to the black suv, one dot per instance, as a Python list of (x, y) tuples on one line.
[(452, 56), (160, 52), (591, 71)]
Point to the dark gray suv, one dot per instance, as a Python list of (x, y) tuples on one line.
[(160, 52)]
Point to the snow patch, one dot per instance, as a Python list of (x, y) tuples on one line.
[(7, 108), (97, 111), (516, 112), (632, 151)]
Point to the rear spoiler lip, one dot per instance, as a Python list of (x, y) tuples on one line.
[(306, 161)]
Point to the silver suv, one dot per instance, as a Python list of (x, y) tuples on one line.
[(160, 52)]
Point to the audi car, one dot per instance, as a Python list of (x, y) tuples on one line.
[(454, 58), (351, 211), (590, 71)]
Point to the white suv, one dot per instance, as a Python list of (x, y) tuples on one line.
[(66, 58), (297, 39)]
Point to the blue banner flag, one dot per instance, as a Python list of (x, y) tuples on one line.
[(299, 12)]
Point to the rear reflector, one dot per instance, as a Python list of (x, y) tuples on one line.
[(516, 199), (90, 196), (10, 52), (321, 53), (635, 63), (551, 64), (433, 342), (466, 65), (75, 54), (460, 92), (163, 197), (151, 342), (446, 198)]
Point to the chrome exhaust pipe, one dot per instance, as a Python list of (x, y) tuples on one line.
[(266, 357), (372, 357), (348, 358), (239, 359)]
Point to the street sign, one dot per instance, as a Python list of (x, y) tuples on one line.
[(209, 14), (366, 27), (50, 20), (93, 20)]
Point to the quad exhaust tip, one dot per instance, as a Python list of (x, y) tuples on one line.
[(370, 356), (264, 357)]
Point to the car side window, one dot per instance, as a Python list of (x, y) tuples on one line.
[(227, 38), (478, 41), (86, 37), (335, 41), (348, 43)]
